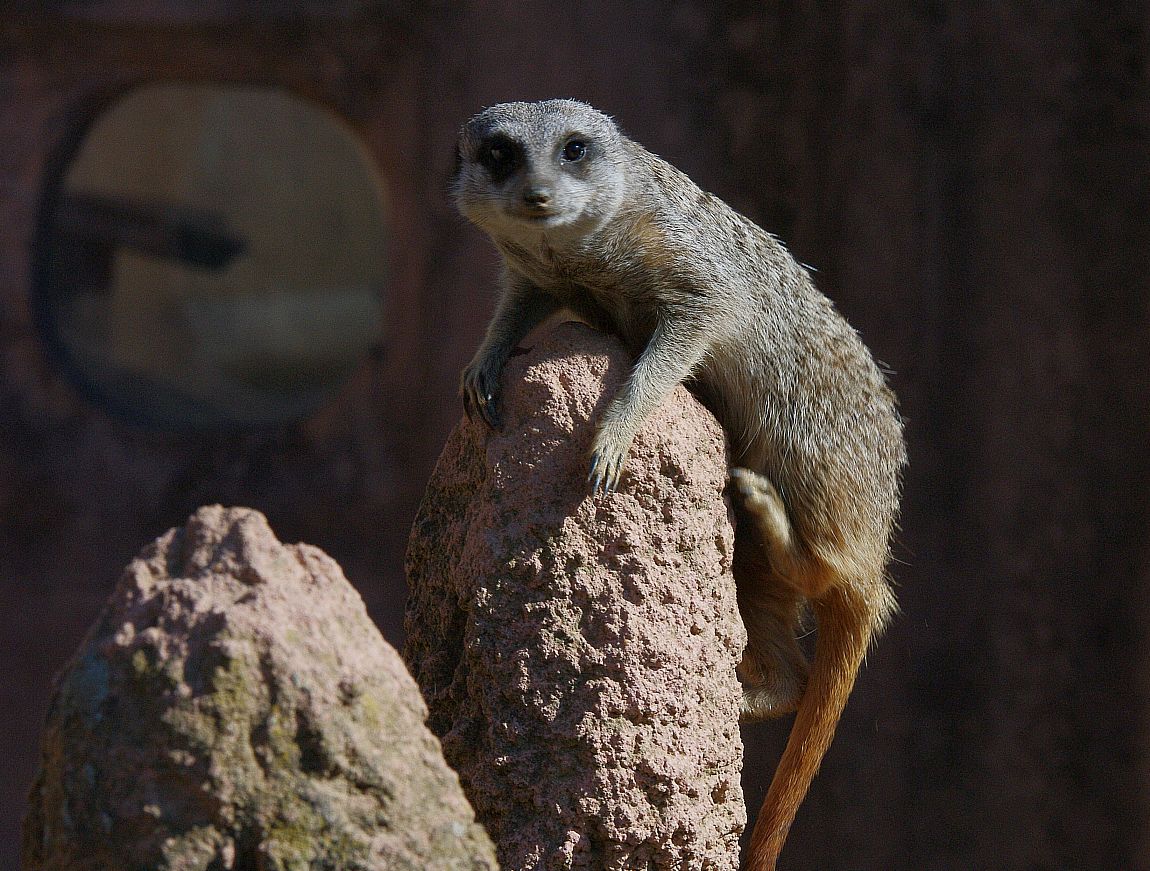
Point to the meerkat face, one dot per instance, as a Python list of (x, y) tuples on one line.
[(532, 170)]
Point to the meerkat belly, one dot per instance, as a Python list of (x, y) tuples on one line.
[(764, 414), (747, 407)]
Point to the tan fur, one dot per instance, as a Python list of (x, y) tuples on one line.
[(590, 221)]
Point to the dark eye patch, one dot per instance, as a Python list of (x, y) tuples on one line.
[(500, 156)]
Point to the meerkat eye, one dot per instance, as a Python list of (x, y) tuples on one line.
[(575, 150)]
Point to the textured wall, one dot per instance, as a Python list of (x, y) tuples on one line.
[(972, 183)]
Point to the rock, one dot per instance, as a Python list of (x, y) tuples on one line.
[(235, 708), (578, 652)]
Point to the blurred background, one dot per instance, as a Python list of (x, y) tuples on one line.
[(230, 272)]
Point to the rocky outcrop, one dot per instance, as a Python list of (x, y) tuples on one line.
[(577, 651), (235, 708)]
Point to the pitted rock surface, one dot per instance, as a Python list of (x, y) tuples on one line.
[(578, 651), (235, 708)]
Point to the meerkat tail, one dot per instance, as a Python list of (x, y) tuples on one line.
[(844, 631)]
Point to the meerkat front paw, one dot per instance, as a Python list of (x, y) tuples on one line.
[(479, 387), (608, 455)]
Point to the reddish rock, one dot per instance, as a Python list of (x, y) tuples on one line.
[(578, 652), (234, 707)]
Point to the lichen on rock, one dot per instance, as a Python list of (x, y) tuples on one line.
[(578, 651), (234, 707)]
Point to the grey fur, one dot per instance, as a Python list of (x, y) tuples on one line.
[(702, 295)]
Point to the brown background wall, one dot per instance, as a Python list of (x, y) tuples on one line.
[(972, 182)]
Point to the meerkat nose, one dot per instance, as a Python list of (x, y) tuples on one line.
[(536, 197)]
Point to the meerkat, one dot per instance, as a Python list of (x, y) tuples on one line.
[(590, 221)]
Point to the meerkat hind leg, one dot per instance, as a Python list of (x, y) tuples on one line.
[(767, 515), (774, 669)]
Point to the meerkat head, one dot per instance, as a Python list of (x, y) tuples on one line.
[(528, 170)]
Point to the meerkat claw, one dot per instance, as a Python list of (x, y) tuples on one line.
[(488, 409), (604, 475), (596, 476), (479, 400)]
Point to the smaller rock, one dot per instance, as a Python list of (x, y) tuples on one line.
[(235, 708)]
